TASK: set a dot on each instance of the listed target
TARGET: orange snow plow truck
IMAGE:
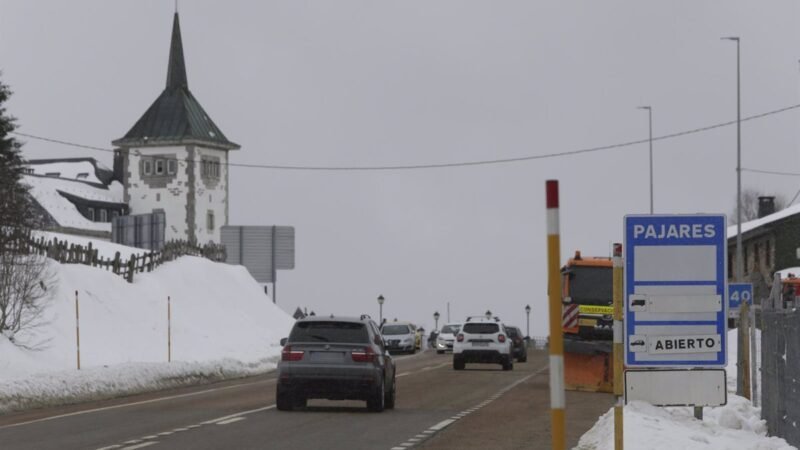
(587, 321)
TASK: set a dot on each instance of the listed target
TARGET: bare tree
(24, 277)
(26, 283)
(750, 205)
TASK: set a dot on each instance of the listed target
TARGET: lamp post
(742, 383)
(528, 318)
(488, 314)
(436, 318)
(650, 120)
(380, 309)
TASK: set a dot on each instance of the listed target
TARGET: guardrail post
(557, 395)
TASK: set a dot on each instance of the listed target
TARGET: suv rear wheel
(376, 402)
(508, 364)
(388, 401)
(458, 363)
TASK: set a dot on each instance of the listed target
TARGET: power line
(463, 163)
(772, 172)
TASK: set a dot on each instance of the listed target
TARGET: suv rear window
(481, 328)
(395, 329)
(328, 331)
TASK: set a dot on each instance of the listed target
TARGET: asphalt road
(434, 408)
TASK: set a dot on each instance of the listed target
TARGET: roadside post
(557, 395)
(169, 329)
(618, 349)
(675, 310)
(740, 301)
(78, 330)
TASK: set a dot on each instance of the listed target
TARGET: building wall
(211, 193)
(187, 196)
(787, 235)
(145, 194)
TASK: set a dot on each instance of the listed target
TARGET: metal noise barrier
(780, 373)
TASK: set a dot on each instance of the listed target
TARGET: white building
(175, 160)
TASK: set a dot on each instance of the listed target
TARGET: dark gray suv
(335, 358)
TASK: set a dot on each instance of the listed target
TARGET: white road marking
(441, 425)
(235, 419)
(407, 444)
(398, 448)
(142, 445)
(166, 433)
(231, 416)
(143, 402)
(132, 441)
(413, 440)
(403, 374)
(150, 437)
(180, 429)
(110, 447)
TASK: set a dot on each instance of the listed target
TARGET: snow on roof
(753, 224)
(45, 191)
(72, 170)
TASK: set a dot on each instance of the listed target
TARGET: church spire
(176, 71)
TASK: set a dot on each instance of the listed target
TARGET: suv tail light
(460, 337)
(287, 354)
(363, 356)
(501, 338)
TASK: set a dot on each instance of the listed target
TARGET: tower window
(90, 213)
(172, 166)
(159, 167)
(147, 167)
(210, 221)
(103, 215)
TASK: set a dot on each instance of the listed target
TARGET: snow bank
(737, 425)
(222, 326)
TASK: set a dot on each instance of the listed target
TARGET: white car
(482, 340)
(400, 337)
(446, 337)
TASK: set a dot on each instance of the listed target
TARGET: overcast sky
(366, 83)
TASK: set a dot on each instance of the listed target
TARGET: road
(481, 407)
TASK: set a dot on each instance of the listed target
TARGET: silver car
(335, 358)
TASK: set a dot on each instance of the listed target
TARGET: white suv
(482, 340)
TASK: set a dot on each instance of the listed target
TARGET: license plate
(480, 344)
(327, 356)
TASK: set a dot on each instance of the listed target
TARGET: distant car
(335, 358)
(482, 340)
(400, 337)
(446, 337)
(519, 348)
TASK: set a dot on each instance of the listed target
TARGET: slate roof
(176, 117)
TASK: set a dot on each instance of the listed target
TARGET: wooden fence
(67, 253)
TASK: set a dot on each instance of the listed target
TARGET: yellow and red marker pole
(618, 276)
(557, 396)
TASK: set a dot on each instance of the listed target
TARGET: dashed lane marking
(142, 445)
(143, 402)
(445, 423)
(235, 419)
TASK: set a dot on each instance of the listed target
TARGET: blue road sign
(675, 289)
(738, 293)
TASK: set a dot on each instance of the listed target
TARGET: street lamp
(739, 263)
(650, 116)
(488, 314)
(380, 308)
(436, 318)
(528, 314)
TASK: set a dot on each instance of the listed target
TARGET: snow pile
(737, 425)
(222, 325)
(73, 170)
(46, 192)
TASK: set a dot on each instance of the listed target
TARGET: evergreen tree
(16, 215)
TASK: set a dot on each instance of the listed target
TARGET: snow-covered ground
(737, 425)
(222, 326)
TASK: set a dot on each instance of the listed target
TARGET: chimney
(766, 206)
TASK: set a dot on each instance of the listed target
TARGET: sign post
(675, 309)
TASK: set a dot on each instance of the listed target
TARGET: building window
(114, 213)
(172, 166)
(158, 196)
(730, 265)
(103, 215)
(768, 254)
(160, 167)
(90, 213)
(210, 221)
(147, 167)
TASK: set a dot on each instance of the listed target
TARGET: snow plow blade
(588, 365)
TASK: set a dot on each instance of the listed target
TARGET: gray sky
(377, 83)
